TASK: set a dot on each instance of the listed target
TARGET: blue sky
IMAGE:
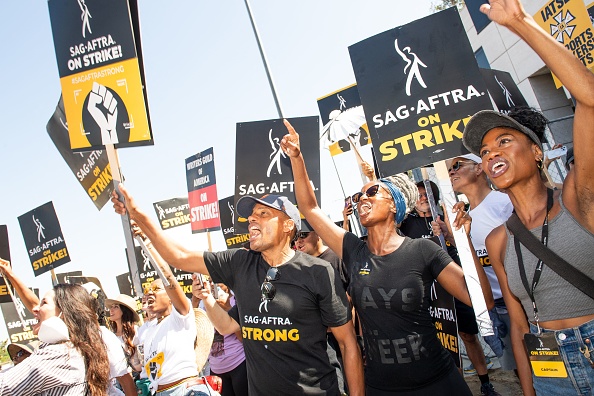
(204, 74)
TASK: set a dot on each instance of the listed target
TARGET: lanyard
(539, 264)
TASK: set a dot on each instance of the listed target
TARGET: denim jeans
(580, 375)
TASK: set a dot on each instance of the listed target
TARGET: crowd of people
(286, 314)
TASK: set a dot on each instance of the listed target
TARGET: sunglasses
(371, 192)
(267, 289)
(456, 167)
(152, 289)
(303, 234)
(19, 354)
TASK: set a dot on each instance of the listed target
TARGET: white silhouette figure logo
(20, 307)
(86, 25)
(264, 304)
(40, 228)
(342, 102)
(232, 212)
(100, 101)
(412, 66)
(562, 26)
(161, 211)
(276, 155)
(506, 93)
(146, 262)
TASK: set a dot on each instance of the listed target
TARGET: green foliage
(4, 358)
(441, 5)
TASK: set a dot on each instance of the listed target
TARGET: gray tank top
(555, 298)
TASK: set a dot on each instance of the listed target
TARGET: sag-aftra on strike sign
(419, 85)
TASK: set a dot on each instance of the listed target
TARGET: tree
(441, 5)
(4, 358)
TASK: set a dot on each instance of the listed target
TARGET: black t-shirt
(337, 264)
(392, 296)
(415, 226)
(285, 338)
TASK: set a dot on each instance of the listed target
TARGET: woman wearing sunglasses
(390, 282)
(543, 306)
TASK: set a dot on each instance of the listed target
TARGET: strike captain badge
(544, 355)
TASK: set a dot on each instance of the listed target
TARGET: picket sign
(12, 296)
(114, 163)
(479, 305)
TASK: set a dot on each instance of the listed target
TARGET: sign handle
(114, 164)
(432, 204)
(209, 241)
(54, 277)
(470, 274)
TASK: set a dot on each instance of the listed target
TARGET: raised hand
(100, 101)
(504, 12)
(290, 143)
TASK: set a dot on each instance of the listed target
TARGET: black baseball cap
(246, 204)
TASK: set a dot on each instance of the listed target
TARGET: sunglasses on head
(152, 289)
(267, 289)
(455, 167)
(370, 192)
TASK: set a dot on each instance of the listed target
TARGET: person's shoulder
(329, 255)
(307, 260)
(496, 239)
(108, 335)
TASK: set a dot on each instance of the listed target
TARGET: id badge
(545, 358)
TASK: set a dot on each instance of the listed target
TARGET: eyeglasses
(152, 289)
(370, 192)
(19, 354)
(303, 234)
(456, 167)
(267, 289)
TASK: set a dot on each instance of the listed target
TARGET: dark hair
(434, 189)
(78, 309)
(531, 119)
(128, 329)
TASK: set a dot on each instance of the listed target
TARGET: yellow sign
(569, 23)
(106, 105)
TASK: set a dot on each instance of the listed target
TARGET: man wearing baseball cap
(286, 299)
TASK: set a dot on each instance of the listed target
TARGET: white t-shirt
(493, 211)
(169, 349)
(118, 365)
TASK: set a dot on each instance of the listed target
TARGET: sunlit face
(19, 356)
(46, 309)
(508, 156)
(158, 302)
(462, 172)
(422, 204)
(377, 208)
(267, 227)
(115, 312)
(307, 242)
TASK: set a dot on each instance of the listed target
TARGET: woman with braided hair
(390, 281)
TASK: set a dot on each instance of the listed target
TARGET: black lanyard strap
(539, 264)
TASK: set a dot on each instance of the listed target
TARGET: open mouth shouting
(254, 231)
(497, 166)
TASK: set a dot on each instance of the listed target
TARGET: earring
(539, 163)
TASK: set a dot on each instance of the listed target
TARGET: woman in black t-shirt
(391, 276)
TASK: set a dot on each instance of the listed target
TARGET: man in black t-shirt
(285, 299)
